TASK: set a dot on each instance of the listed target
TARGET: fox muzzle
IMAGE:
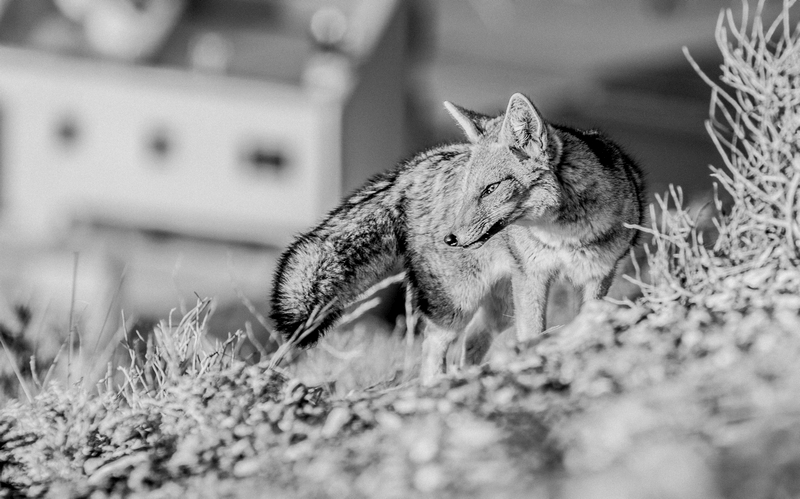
(452, 240)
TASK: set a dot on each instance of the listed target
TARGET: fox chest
(552, 255)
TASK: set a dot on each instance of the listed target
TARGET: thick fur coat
(481, 228)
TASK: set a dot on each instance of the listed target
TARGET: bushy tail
(324, 269)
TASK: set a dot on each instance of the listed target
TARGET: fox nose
(451, 240)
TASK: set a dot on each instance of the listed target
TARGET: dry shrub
(754, 121)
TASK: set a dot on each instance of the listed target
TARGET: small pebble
(246, 467)
(337, 418)
(429, 478)
(423, 450)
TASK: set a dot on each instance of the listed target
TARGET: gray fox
(481, 228)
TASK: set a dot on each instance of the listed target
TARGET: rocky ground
(623, 402)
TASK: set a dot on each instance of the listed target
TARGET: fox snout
(471, 240)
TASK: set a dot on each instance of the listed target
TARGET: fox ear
(467, 120)
(523, 127)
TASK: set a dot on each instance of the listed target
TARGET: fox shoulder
(607, 162)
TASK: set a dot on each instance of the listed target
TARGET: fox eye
(489, 189)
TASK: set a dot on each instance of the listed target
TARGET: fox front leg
(434, 348)
(596, 289)
(530, 303)
(494, 316)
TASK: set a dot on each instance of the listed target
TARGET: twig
(13, 361)
(110, 307)
(71, 312)
(249, 304)
(248, 329)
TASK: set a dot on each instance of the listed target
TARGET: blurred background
(152, 151)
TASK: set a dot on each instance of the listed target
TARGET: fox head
(509, 175)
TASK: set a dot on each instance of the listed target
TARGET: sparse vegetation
(689, 392)
(754, 112)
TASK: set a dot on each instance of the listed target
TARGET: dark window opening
(262, 158)
(67, 131)
(160, 144)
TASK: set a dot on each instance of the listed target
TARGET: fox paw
(503, 351)
(475, 348)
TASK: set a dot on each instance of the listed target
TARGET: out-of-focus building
(239, 120)
(184, 141)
